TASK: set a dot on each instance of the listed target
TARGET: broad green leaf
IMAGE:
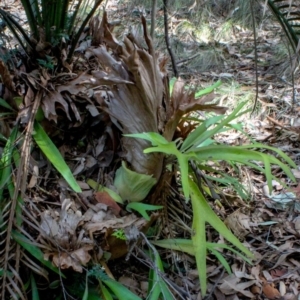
(142, 208)
(54, 156)
(131, 185)
(34, 251)
(121, 292)
(93, 184)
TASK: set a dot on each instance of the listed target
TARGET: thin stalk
(73, 18)
(28, 7)
(12, 24)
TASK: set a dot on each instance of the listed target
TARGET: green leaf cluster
(200, 147)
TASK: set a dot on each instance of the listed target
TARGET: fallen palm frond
(287, 14)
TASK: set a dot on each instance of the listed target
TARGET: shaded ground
(269, 222)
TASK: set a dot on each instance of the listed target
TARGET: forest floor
(269, 223)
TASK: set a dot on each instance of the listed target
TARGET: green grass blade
(121, 292)
(208, 90)
(34, 290)
(86, 290)
(107, 295)
(142, 208)
(221, 259)
(34, 250)
(6, 160)
(54, 156)
(3, 103)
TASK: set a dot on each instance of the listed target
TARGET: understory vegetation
(108, 161)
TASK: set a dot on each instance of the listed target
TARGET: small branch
(174, 66)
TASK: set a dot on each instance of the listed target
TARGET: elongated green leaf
(142, 208)
(202, 213)
(184, 245)
(196, 135)
(54, 156)
(86, 290)
(6, 160)
(34, 251)
(35, 292)
(157, 286)
(222, 260)
(210, 133)
(209, 216)
(153, 137)
(199, 241)
(3, 103)
(107, 295)
(208, 90)
(121, 292)
(242, 155)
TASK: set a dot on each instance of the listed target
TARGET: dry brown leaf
(239, 223)
(269, 290)
(74, 260)
(105, 198)
(230, 285)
